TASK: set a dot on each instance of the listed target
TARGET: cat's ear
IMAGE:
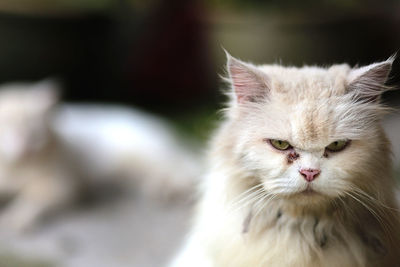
(249, 83)
(46, 93)
(368, 82)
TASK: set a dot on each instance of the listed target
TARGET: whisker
(385, 226)
(265, 201)
(376, 201)
(243, 197)
(247, 191)
(247, 200)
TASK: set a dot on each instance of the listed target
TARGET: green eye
(279, 144)
(337, 145)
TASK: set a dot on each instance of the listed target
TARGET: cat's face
(307, 133)
(24, 110)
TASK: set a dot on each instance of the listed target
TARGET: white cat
(51, 153)
(35, 176)
(300, 172)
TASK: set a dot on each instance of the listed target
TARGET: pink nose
(309, 174)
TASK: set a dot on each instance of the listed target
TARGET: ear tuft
(249, 83)
(368, 82)
(46, 93)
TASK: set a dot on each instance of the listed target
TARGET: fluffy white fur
(256, 208)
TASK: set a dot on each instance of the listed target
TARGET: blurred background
(164, 57)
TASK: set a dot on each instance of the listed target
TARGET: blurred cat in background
(35, 177)
(50, 154)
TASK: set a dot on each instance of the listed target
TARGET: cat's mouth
(309, 191)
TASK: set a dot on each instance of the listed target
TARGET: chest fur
(287, 241)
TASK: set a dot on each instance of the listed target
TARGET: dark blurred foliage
(165, 55)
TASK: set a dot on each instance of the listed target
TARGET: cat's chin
(308, 198)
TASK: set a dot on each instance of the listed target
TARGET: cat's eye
(337, 145)
(279, 144)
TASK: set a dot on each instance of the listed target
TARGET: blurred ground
(149, 232)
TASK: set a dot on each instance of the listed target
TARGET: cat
(53, 154)
(300, 172)
(34, 177)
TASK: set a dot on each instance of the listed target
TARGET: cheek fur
(266, 161)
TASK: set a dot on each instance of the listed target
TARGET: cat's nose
(309, 174)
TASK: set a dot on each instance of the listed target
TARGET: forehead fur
(307, 82)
